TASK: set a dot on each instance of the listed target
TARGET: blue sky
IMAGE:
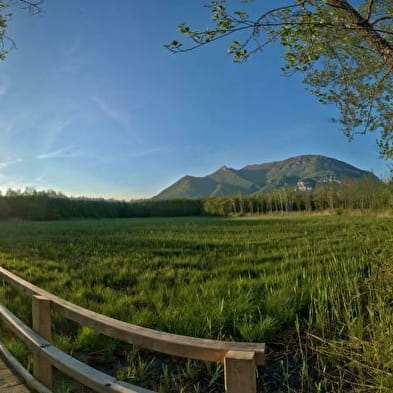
(92, 104)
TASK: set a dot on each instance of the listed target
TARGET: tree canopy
(345, 52)
(6, 42)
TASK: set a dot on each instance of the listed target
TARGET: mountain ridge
(311, 169)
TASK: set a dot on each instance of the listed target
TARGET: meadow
(317, 290)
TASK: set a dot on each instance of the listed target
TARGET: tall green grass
(316, 289)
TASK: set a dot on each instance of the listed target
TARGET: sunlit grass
(232, 279)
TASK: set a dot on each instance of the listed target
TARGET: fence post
(42, 368)
(239, 371)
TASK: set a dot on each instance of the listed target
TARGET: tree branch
(32, 5)
(381, 19)
(255, 26)
(275, 10)
(377, 42)
(372, 100)
(370, 9)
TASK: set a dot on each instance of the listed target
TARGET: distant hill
(258, 178)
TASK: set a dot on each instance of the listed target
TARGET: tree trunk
(376, 42)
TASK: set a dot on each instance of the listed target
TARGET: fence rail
(240, 359)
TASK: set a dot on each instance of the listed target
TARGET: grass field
(316, 289)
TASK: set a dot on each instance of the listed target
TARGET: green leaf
(241, 14)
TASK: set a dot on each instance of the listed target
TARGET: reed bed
(317, 290)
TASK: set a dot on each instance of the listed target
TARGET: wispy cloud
(40, 179)
(6, 164)
(146, 152)
(64, 152)
(115, 114)
(74, 57)
(52, 128)
(4, 87)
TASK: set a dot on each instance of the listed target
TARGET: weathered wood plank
(8, 379)
(239, 371)
(42, 325)
(4, 372)
(81, 372)
(21, 372)
(16, 389)
(172, 344)
(2, 365)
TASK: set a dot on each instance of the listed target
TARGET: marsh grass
(318, 290)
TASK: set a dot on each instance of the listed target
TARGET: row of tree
(365, 194)
(53, 206)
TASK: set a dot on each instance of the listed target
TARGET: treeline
(49, 205)
(365, 194)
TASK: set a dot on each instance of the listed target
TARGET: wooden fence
(240, 359)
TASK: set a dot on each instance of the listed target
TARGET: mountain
(258, 178)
